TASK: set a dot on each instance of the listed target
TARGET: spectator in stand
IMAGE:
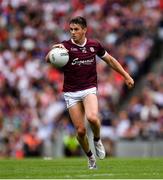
(32, 144)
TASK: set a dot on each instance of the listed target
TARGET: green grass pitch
(76, 168)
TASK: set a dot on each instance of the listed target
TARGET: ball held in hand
(58, 57)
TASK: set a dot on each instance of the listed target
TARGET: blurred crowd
(32, 109)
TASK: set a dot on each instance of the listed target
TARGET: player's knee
(92, 118)
(81, 132)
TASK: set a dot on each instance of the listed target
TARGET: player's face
(77, 33)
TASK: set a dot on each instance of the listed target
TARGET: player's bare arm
(117, 67)
(47, 58)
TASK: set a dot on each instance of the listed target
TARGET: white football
(58, 57)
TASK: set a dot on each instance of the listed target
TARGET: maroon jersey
(80, 71)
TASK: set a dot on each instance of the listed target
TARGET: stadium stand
(31, 102)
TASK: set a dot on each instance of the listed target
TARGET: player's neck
(80, 43)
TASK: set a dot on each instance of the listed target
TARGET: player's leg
(77, 115)
(91, 110)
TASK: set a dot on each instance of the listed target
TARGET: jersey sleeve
(64, 43)
(100, 50)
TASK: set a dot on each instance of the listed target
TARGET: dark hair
(79, 20)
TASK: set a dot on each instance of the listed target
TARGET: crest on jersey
(92, 49)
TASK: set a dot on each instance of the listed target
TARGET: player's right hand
(59, 46)
(55, 46)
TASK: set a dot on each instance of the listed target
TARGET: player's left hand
(129, 82)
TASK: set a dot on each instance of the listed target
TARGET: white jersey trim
(104, 54)
(80, 45)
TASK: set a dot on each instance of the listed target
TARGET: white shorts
(72, 98)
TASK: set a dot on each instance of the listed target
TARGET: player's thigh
(77, 115)
(91, 105)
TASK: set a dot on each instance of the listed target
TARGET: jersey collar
(81, 45)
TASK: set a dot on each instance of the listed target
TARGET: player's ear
(85, 29)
